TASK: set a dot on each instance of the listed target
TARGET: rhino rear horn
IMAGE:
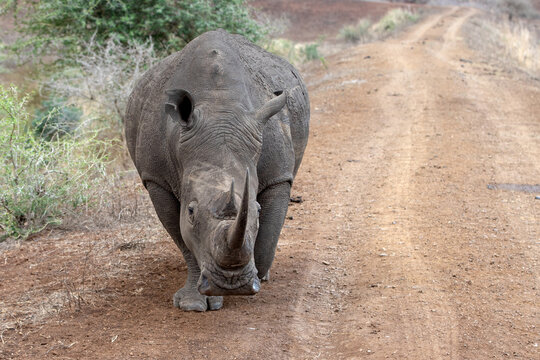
(230, 208)
(237, 233)
(271, 108)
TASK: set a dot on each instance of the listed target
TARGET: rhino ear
(272, 107)
(179, 106)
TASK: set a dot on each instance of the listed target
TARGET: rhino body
(217, 132)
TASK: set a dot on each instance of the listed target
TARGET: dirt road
(399, 249)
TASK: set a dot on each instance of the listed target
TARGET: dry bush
(102, 79)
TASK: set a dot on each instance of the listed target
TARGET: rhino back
(269, 74)
(257, 76)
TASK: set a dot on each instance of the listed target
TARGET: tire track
(381, 313)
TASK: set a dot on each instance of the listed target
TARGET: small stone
(326, 262)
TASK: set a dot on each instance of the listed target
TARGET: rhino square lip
(218, 281)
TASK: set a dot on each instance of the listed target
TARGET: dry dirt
(399, 249)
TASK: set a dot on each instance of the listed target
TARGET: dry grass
(513, 44)
(392, 22)
(522, 45)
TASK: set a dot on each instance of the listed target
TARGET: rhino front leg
(274, 202)
(188, 297)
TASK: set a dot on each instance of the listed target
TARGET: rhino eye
(191, 211)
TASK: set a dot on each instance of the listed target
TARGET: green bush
(55, 119)
(62, 26)
(41, 181)
(311, 52)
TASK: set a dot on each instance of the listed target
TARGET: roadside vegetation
(357, 33)
(508, 36)
(295, 53)
(47, 170)
(61, 27)
(392, 22)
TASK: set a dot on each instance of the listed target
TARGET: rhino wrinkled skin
(217, 132)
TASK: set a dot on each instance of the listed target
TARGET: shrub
(311, 52)
(41, 181)
(55, 119)
(63, 26)
(356, 33)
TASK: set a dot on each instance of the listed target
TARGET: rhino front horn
(237, 232)
(271, 108)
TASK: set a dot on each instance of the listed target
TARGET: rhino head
(216, 143)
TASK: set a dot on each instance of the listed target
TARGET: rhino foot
(266, 277)
(189, 299)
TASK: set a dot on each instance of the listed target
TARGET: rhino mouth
(215, 281)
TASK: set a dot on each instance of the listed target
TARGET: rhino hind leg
(188, 297)
(274, 202)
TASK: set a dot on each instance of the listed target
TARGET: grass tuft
(364, 31)
(356, 33)
(295, 53)
(393, 21)
(521, 45)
